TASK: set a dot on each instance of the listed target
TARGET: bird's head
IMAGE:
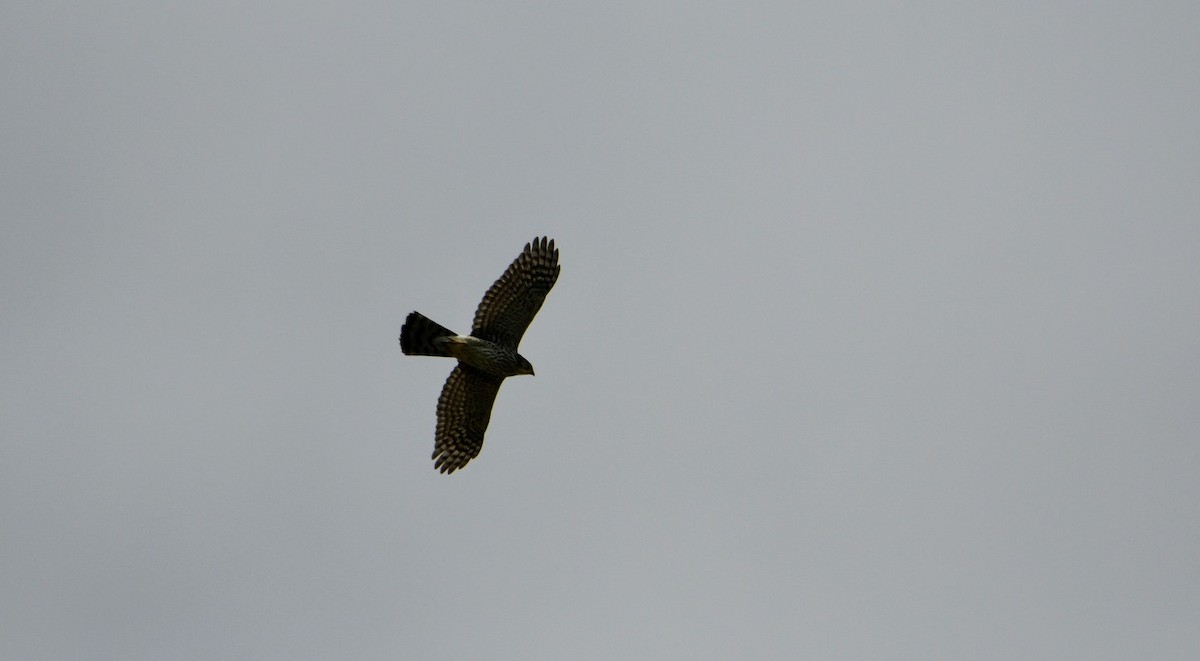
(523, 366)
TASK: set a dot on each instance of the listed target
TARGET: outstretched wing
(511, 303)
(463, 412)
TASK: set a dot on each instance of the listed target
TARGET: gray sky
(876, 335)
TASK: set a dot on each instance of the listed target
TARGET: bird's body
(422, 336)
(485, 357)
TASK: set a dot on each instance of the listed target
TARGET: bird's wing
(511, 303)
(463, 412)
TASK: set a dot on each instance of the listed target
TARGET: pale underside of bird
(485, 357)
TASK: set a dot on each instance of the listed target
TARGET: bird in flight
(485, 357)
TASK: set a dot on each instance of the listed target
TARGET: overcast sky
(877, 334)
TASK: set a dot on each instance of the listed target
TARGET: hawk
(486, 356)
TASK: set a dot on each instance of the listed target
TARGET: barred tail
(418, 334)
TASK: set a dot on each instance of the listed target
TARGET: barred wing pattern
(463, 412)
(510, 304)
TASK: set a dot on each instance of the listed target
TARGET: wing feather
(510, 304)
(463, 412)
